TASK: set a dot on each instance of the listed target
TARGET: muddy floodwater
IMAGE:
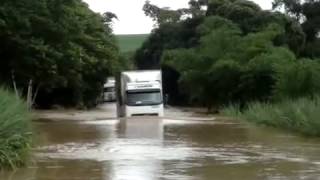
(173, 148)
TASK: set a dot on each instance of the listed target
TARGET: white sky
(131, 17)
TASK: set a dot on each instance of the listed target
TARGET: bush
(300, 115)
(298, 79)
(15, 136)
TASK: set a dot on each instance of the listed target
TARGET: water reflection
(140, 139)
(58, 170)
(141, 128)
(152, 149)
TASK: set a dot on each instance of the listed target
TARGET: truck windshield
(109, 89)
(144, 98)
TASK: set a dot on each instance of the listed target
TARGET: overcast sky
(131, 17)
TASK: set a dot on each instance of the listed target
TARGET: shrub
(15, 128)
(299, 79)
(300, 115)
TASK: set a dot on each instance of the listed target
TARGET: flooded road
(183, 146)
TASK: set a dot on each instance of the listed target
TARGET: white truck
(139, 93)
(109, 93)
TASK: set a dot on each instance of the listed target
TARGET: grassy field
(15, 130)
(301, 115)
(132, 42)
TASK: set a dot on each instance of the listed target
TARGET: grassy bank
(15, 128)
(130, 43)
(302, 115)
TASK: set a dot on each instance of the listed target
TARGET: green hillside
(131, 42)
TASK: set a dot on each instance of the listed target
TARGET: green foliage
(232, 111)
(61, 45)
(228, 66)
(301, 115)
(239, 53)
(258, 81)
(161, 15)
(298, 79)
(125, 62)
(130, 43)
(184, 61)
(250, 18)
(224, 77)
(166, 15)
(167, 36)
(236, 53)
(236, 31)
(307, 12)
(221, 39)
(15, 130)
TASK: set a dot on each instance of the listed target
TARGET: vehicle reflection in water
(141, 128)
(136, 155)
(147, 148)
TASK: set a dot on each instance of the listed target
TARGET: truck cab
(140, 93)
(109, 93)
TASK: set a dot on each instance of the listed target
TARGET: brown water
(159, 149)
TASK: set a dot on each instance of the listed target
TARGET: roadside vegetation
(15, 130)
(300, 115)
(53, 54)
(233, 52)
(56, 52)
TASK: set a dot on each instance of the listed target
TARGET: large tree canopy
(246, 14)
(308, 13)
(61, 45)
(233, 51)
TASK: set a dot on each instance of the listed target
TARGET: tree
(230, 54)
(308, 14)
(227, 67)
(168, 36)
(298, 79)
(58, 48)
(197, 7)
(162, 15)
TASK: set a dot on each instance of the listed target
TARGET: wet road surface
(148, 148)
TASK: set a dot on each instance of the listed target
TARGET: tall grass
(15, 130)
(301, 115)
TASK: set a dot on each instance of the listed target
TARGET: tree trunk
(35, 95)
(14, 84)
(209, 108)
(29, 94)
